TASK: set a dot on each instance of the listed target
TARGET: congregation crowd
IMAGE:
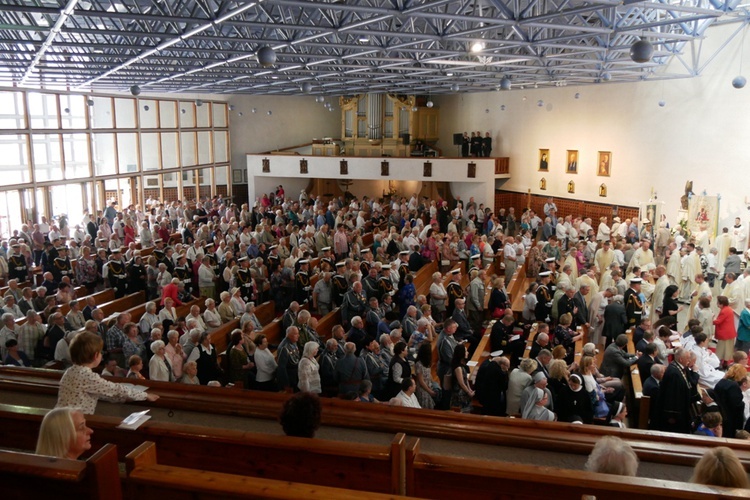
(603, 280)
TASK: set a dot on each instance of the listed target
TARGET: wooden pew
(123, 303)
(435, 476)
(663, 447)
(220, 336)
(327, 322)
(639, 405)
(102, 297)
(148, 479)
(367, 467)
(266, 312)
(25, 475)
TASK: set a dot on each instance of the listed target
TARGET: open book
(134, 420)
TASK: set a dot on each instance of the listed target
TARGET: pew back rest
(143, 470)
(25, 475)
(434, 476)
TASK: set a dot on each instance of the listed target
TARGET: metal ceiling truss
(348, 46)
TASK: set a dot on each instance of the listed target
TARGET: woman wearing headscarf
(574, 402)
(534, 408)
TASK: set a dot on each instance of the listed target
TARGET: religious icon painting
(266, 165)
(604, 163)
(543, 184)
(472, 171)
(544, 160)
(303, 166)
(571, 187)
(385, 168)
(572, 161)
(603, 190)
(344, 167)
(427, 169)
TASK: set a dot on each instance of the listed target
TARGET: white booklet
(134, 420)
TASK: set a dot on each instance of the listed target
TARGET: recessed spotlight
(450, 73)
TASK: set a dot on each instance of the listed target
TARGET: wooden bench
(639, 406)
(563, 437)
(367, 467)
(435, 476)
(123, 303)
(148, 479)
(102, 297)
(25, 475)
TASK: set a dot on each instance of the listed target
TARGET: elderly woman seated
(211, 315)
(64, 434)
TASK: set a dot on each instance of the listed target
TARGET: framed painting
(571, 161)
(544, 160)
(604, 162)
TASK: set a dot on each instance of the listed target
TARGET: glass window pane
(204, 148)
(47, 161)
(73, 111)
(169, 156)
(219, 113)
(187, 148)
(76, 151)
(220, 174)
(220, 147)
(168, 114)
(203, 114)
(14, 160)
(150, 151)
(101, 112)
(10, 203)
(67, 199)
(148, 113)
(104, 154)
(43, 110)
(125, 113)
(11, 110)
(220, 178)
(187, 114)
(127, 153)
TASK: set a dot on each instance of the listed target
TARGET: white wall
(294, 120)
(407, 171)
(700, 135)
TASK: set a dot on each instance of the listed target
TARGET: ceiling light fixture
(477, 47)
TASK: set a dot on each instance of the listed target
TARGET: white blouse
(212, 318)
(266, 365)
(82, 388)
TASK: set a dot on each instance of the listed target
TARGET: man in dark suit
(647, 359)
(501, 337)
(617, 360)
(615, 320)
(491, 384)
(541, 341)
(651, 389)
(581, 316)
(678, 392)
(464, 331)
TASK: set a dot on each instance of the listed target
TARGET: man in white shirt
(510, 258)
(406, 397)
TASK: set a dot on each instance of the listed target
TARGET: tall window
(62, 153)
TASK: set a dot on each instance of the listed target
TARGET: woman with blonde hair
(64, 434)
(720, 467)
